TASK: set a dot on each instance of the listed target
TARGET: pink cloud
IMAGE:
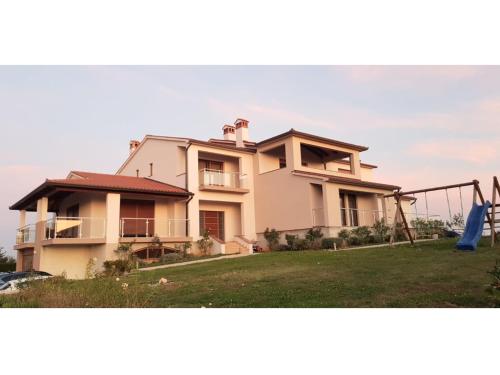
(476, 152)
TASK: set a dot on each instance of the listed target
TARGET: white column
(112, 218)
(22, 218)
(42, 209)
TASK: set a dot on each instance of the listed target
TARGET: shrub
(313, 236)
(291, 240)
(302, 244)
(361, 235)
(273, 238)
(171, 258)
(205, 243)
(400, 233)
(117, 267)
(329, 243)
(7, 267)
(344, 235)
(380, 231)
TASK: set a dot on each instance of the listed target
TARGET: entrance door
(137, 218)
(213, 223)
(27, 264)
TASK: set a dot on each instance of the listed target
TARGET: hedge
(7, 267)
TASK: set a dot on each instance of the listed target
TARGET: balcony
(353, 217)
(70, 230)
(216, 180)
(26, 235)
(146, 228)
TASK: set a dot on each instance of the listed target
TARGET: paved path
(385, 245)
(193, 262)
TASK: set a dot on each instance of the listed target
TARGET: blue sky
(424, 125)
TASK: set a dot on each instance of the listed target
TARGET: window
(343, 216)
(282, 163)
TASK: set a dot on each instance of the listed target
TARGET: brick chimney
(133, 146)
(241, 132)
(229, 132)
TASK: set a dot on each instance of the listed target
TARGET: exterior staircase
(234, 247)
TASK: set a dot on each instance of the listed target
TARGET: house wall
(167, 156)
(246, 201)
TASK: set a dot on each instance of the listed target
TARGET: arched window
(152, 253)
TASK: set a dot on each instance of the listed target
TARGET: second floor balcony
(218, 180)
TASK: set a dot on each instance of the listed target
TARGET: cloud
(407, 76)
(470, 151)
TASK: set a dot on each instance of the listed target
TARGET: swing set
(400, 216)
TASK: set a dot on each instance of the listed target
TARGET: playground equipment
(475, 223)
(494, 221)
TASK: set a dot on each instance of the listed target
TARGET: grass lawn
(429, 274)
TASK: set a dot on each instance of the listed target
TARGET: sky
(424, 125)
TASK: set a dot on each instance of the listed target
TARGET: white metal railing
(318, 215)
(26, 234)
(212, 177)
(75, 227)
(355, 217)
(149, 227)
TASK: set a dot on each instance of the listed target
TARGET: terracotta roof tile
(109, 181)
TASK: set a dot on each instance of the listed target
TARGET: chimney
(229, 132)
(133, 146)
(241, 132)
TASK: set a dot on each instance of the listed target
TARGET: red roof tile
(110, 181)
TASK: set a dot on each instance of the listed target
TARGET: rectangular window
(282, 163)
(353, 208)
(343, 216)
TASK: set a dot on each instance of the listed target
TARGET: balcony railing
(75, 227)
(355, 217)
(26, 234)
(212, 177)
(146, 227)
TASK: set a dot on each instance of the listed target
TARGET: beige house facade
(173, 190)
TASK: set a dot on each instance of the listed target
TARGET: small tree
(205, 243)
(186, 246)
(313, 236)
(344, 235)
(380, 230)
(273, 238)
(4, 258)
(361, 235)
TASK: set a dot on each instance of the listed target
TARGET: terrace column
(42, 213)
(112, 218)
(22, 218)
(331, 204)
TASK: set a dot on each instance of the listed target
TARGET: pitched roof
(111, 181)
(101, 182)
(313, 137)
(350, 181)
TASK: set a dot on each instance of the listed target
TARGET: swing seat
(474, 227)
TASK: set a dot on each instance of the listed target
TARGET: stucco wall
(167, 156)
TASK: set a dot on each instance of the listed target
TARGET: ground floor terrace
(85, 218)
(332, 205)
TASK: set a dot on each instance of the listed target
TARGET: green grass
(430, 274)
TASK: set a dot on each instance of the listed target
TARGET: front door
(213, 223)
(27, 264)
(137, 218)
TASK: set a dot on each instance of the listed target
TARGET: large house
(175, 189)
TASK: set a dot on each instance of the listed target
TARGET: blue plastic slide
(474, 227)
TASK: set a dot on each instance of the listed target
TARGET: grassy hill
(430, 274)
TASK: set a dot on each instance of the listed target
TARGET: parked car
(11, 281)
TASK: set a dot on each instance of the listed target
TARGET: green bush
(7, 267)
(117, 267)
(291, 241)
(313, 236)
(171, 257)
(302, 244)
(273, 239)
(380, 231)
(329, 243)
(360, 235)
